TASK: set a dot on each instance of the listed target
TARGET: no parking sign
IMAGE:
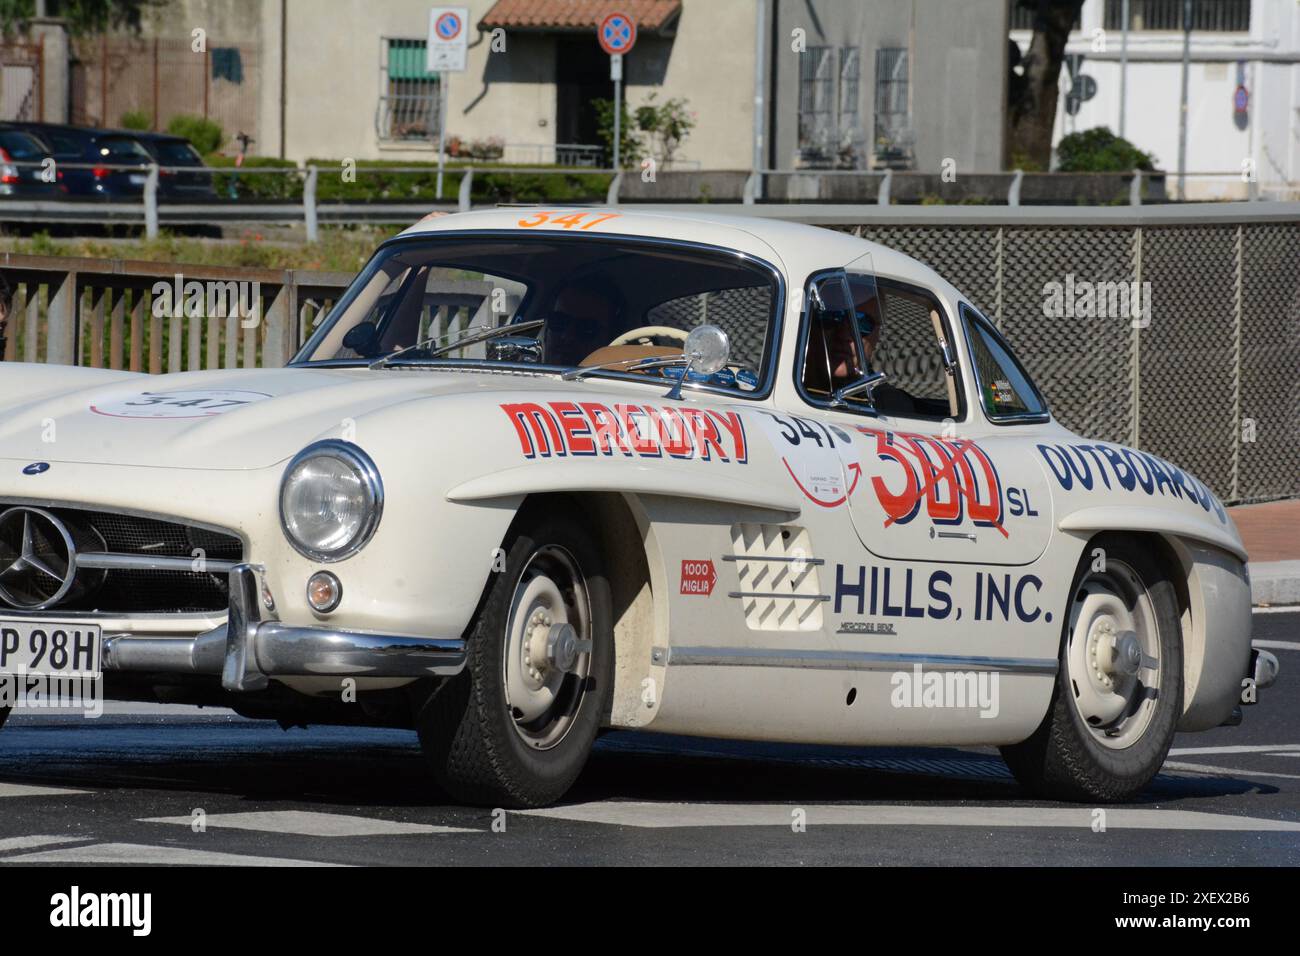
(617, 34)
(448, 40)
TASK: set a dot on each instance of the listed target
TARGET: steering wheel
(651, 332)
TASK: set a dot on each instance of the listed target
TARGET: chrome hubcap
(548, 647)
(1113, 656)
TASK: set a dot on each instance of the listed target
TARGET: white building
(1253, 45)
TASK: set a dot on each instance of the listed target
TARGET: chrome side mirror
(515, 348)
(867, 384)
(706, 351)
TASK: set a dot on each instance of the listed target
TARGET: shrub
(206, 135)
(1101, 151)
(137, 120)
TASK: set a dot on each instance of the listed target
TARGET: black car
(99, 149)
(95, 150)
(21, 173)
(176, 151)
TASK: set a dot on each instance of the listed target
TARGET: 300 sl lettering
(943, 473)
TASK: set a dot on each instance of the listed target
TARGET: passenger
(582, 320)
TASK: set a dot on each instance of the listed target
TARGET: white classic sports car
(541, 473)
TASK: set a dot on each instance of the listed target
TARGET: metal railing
(145, 317)
(299, 198)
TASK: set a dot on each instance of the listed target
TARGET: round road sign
(616, 33)
(447, 26)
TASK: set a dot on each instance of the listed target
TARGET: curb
(1275, 582)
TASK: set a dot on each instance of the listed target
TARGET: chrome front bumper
(250, 649)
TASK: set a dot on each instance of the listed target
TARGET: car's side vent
(780, 588)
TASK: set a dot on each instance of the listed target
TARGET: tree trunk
(1033, 95)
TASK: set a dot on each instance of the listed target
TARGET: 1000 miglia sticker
(590, 429)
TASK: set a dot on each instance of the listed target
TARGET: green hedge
(375, 183)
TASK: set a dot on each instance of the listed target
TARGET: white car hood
(230, 420)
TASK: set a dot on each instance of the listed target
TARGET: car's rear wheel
(1119, 688)
(514, 729)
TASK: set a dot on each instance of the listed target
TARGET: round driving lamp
(331, 500)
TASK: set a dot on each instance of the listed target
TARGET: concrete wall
(957, 54)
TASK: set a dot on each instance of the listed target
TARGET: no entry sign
(616, 33)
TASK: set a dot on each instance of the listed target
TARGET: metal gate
(21, 89)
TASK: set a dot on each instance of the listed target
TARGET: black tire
(470, 736)
(1064, 759)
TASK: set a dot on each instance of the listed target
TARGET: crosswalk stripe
(26, 790)
(31, 842)
(133, 853)
(1233, 749)
(308, 823)
(655, 815)
(1229, 771)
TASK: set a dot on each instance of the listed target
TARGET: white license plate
(137, 179)
(50, 648)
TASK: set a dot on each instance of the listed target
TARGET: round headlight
(331, 499)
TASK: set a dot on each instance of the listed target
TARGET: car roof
(800, 248)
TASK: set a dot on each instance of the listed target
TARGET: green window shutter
(406, 59)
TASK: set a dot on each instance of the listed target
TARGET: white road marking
(31, 842)
(1277, 645)
(132, 853)
(1228, 771)
(308, 823)
(1234, 749)
(24, 790)
(1277, 609)
(655, 815)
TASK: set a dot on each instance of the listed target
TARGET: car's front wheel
(1119, 687)
(514, 729)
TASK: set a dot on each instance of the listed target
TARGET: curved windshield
(614, 307)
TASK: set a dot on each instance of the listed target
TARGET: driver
(841, 364)
(582, 320)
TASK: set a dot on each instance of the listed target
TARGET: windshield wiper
(465, 339)
(636, 365)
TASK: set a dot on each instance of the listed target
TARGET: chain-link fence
(1208, 378)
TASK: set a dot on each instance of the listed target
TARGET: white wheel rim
(543, 699)
(1113, 656)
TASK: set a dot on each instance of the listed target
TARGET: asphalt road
(128, 787)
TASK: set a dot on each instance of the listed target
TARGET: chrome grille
(137, 564)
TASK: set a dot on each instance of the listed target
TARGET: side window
(1006, 390)
(870, 330)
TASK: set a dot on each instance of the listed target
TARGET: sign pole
(442, 126)
(616, 71)
(446, 51)
(617, 35)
